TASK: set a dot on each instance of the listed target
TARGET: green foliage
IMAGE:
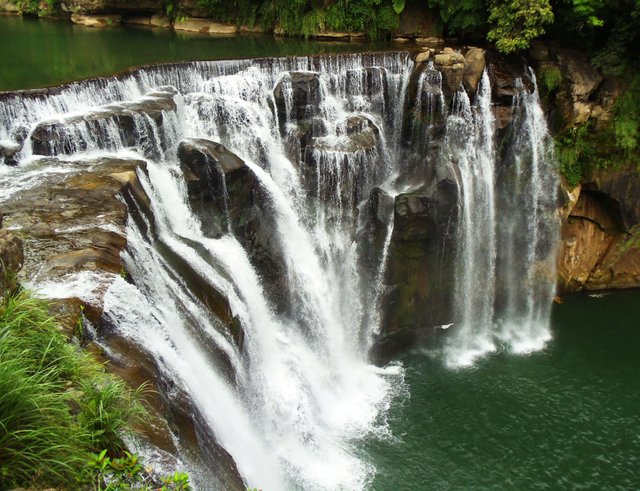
(56, 403)
(627, 118)
(550, 77)
(178, 481)
(39, 441)
(41, 8)
(117, 474)
(107, 408)
(462, 16)
(398, 6)
(127, 473)
(310, 17)
(587, 12)
(516, 22)
(574, 151)
(607, 30)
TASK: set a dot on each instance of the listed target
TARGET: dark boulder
(227, 197)
(419, 277)
(297, 97)
(9, 151)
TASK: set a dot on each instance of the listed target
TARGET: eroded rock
(204, 26)
(473, 69)
(600, 245)
(419, 270)
(100, 20)
(131, 120)
(228, 197)
(73, 225)
(297, 96)
(452, 65)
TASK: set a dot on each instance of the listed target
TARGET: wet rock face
(336, 159)
(452, 65)
(132, 122)
(74, 223)
(475, 63)
(227, 196)
(220, 181)
(419, 270)
(297, 96)
(9, 151)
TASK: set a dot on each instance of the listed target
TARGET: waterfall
(505, 277)
(285, 385)
(469, 145)
(530, 235)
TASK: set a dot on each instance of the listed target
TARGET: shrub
(57, 405)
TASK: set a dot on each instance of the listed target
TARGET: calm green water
(565, 418)
(39, 53)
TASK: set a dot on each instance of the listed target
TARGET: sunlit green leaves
(516, 22)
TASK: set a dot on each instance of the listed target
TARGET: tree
(516, 22)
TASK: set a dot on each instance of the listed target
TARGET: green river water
(567, 417)
(39, 53)
(564, 418)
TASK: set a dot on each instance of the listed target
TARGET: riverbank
(415, 25)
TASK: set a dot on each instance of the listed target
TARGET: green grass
(57, 405)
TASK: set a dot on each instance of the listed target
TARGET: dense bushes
(305, 18)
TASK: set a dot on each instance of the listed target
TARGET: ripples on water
(564, 418)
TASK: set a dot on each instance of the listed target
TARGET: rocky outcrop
(110, 6)
(132, 121)
(419, 270)
(204, 26)
(452, 65)
(297, 96)
(227, 196)
(11, 260)
(73, 225)
(9, 151)
(8, 7)
(475, 63)
(600, 243)
(340, 36)
(576, 92)
(104, 20)
(330, 151)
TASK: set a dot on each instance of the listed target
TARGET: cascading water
(291, 400)
(505, 276)
(469, 145)
(530, 235)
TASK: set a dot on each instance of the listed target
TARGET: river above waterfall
(38, 53)
(566, 417)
